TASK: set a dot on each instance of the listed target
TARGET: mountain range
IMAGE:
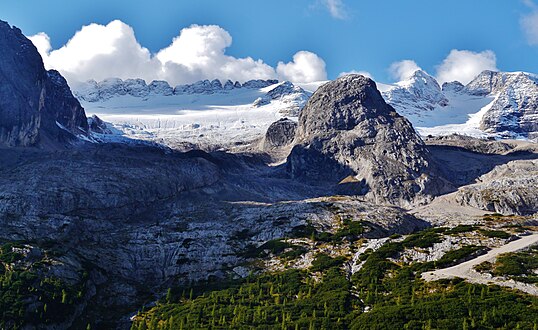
(494, 104)
(161, 188)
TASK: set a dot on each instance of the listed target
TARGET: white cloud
(99, 52)
(403, 70)
(465, 65)
(305, 67)
(336, 8)
(529, 23)
(364, 73)
(42, 42)
(199, 52)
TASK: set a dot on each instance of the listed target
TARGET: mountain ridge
(37, 107)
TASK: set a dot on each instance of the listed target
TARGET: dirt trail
(465, 270)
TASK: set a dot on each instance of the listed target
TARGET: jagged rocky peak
(37, 107)
(491, 82)
(420, 91)
(259, 83)
(92, 91)
(347, 134)
(137, 87)
(199, 87)
(487, 82)
(160, 87)
(514, 108)
(452, 87)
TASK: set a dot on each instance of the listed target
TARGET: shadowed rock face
(36, 106)
(281, 133)
(348, 134)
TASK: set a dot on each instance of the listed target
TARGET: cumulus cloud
(199, 52)
(99, 52)
(364, 73)
(465, 65)
(336, 8)
(42, 42)
(403, 70)
(529, 23)
(305, 67)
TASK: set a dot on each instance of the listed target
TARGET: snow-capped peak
(293, 98)
(419, 78)
(418, 93)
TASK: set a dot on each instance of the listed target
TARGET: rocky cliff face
(487, 82)
(509, 189)
(348, 134)
(143, 219)
(514, 112)
(36, 106)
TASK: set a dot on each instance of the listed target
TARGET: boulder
(280, 134)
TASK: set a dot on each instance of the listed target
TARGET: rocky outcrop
(348, 134)
(97, 125)
(160, 87)
(452, 87)
(36, 106)
(203, 87)
(280, 134)
(508, 189)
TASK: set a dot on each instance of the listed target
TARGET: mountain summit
(37, 107)
(348, 133)
(421, 91)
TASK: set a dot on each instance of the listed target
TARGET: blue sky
(359, 35)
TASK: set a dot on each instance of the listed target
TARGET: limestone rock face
(37, 107)
(348, 134)
(514, 111)
(509, 189)
(281, 133)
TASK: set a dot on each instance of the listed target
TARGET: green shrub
(495, 234)
(322, 262)
(460, 229)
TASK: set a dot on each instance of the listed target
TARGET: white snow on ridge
(207, 120)
(459, 117)
(210, 115)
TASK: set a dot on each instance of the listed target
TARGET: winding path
(465, 269)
